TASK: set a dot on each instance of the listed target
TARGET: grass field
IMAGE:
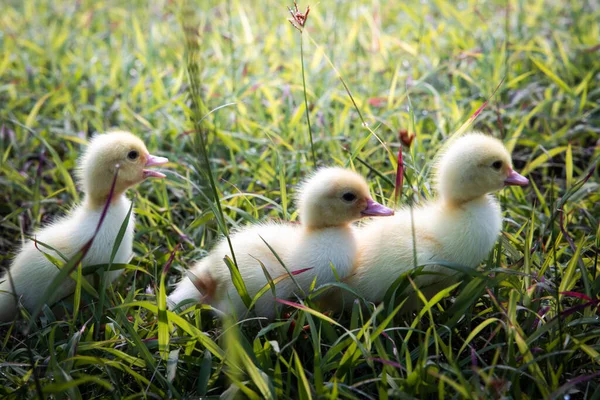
(524, 325)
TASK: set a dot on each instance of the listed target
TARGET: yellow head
(334, 197)
(474, 165)
(109, 152)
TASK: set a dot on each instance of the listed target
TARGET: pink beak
(515, 179)
(374, 209)
(151, 161)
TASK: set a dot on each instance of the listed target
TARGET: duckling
(461, 226)
(328, 203)
(31, 272)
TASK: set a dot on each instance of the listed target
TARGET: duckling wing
(457, 235)
(388, 248)
(32, 272)
(250, 251)
(328, 255)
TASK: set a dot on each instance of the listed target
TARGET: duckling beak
(151, 161)
(515, 179)
(374, 209)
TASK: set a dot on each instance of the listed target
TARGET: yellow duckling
(32, 272)
(460, 227)
(329, 202)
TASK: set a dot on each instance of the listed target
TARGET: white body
(31, 271)
(297, 247)
(460, 234)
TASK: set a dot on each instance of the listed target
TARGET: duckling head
(336, 196)
(474, 165)
(111, 151)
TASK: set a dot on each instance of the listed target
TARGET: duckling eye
(497, 164)
(349, 196)
(133, 155)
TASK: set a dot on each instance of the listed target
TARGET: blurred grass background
(69, 70)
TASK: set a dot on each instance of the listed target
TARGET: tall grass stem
(312, 146)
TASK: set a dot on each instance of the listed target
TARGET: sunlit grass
(523, 325)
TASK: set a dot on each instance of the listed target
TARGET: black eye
(133, 155)
(497, 164)
(349, 196)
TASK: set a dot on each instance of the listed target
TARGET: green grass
(524, 326)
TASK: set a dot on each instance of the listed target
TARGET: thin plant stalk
(36, 378)
(312, 146)
(73, 263)
(231, 49)
(507, 40)
(341, 78)
(197, 107)
(298, 21)
(556, 270)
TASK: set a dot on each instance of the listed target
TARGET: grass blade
(238, 281)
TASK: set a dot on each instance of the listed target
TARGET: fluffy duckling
(461, 226)
(31, 272)
(329, 202)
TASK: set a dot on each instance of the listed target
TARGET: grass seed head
(298, 18)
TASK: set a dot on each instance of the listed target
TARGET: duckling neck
(468, 230)
(96, 201)
(308, 228)
(455, 202)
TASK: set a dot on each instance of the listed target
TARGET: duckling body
(31, 272)
(460, 227)
(324, 238)
(296, 247)
(461, 235)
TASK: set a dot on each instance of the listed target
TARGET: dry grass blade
(399, 176)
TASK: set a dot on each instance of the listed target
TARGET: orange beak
(151, 161)
(374, 209)
(515, 179)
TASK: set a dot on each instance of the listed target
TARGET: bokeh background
(71, 69)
